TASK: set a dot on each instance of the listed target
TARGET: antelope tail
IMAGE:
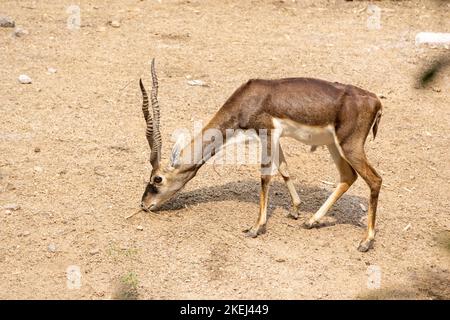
(376, 122)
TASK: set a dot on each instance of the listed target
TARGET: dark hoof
(308, 225)
(293, 215)
(365, 245)
(254, 232)
(251, 234)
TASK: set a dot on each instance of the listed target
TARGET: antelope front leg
(260, 226)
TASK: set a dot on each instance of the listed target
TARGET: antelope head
(164, 181)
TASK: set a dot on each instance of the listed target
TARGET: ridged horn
(147, 116)
(155, 155)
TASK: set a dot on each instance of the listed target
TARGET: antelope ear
(175, 156)
(181, 137)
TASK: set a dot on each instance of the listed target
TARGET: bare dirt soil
(73, 153)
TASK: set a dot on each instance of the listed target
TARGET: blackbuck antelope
(315, 112)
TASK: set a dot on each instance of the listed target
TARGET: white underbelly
(311, 135)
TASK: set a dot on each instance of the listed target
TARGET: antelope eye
(157, 179)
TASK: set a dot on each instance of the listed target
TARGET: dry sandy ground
(90, 171)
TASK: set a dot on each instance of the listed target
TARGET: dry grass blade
(133, 214)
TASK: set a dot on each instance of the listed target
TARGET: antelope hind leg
(354, 152)
(347, 177)
(283, 169)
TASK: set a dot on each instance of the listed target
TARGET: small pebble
(19, 32)
(140, 228)
(37, 149)
(12, 207)
(51, 247)
(51, 70)
(10, 187)
(280, 260)
(38, 169)
(24, 79)
(199, 83)
(114, 24)
(94, 252)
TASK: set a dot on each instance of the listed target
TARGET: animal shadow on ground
(346, 210)
(428, 283)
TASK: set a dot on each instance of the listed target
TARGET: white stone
(94, 252)
(51, 247)
(438, 39)
(19, 32)
(199, 83)
(6, 22)
(115, 24)
(11, 207)
(24, 79)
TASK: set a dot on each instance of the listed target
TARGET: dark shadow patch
(345, 211)
(429, 71)
(443, 240)
(430, 283)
